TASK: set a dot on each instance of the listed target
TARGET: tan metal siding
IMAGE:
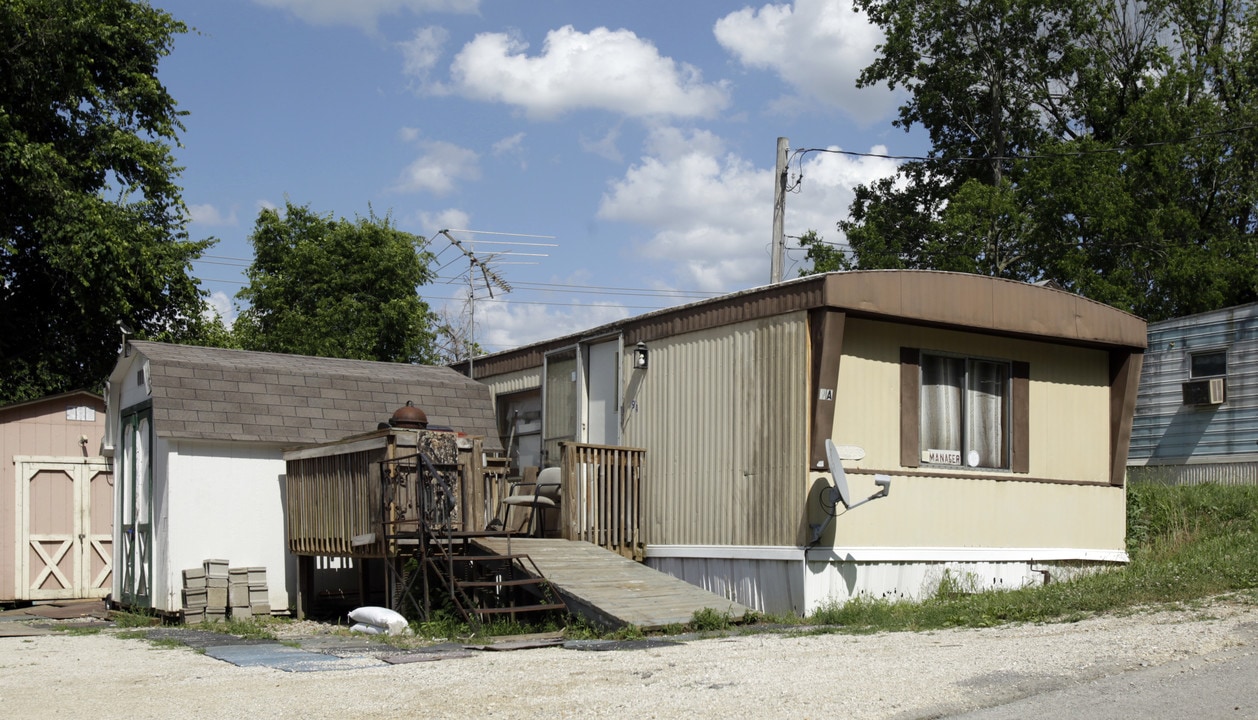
(947, 512)
(723, 415)
(1069, 443)
(1069, 397)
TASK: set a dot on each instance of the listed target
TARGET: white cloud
(207, 214)
(365, 14)
(421, 53)
(219, 303)
(603, 69)
(408, 134)
(710, 212)
(504, 323)
(265, 204)
(438, 168)
(442, 220)
(604, 147)
(509, 144)
(819, 47)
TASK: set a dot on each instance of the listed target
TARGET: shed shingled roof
(203, 393)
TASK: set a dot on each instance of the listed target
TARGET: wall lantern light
(639, 356)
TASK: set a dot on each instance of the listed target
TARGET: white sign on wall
(942, 457)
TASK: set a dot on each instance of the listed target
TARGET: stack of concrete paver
(248, 593)
(259, 593)
(238, 593)
(215, 590)
(194, 596)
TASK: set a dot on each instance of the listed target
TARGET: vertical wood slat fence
(335, 496)
(602, 496)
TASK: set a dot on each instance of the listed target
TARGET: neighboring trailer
(1197, 413)
(197, 438)
(56, 500)
(1000, 410)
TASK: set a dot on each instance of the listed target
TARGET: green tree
(336, 288)
(92, 227)
(1109, 147)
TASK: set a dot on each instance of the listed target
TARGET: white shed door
(65, 526)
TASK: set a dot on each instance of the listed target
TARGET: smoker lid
(409, 416)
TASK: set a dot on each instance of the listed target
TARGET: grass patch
(78, 631)
(1185, 544)
(710, 620)
(258, 628)
(125, 619)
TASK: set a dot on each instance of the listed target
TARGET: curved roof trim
(959, 301)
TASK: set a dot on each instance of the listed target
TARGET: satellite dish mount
(839, 493)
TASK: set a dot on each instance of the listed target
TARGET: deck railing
(602, 496)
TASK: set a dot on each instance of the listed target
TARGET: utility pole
(779, 212)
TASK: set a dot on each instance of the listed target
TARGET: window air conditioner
(1210, 391)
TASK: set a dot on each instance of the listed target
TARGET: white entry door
(602, 380)
(65, 528)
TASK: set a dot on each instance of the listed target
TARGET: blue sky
(639, 135)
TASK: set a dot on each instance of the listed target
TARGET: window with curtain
(964, 411)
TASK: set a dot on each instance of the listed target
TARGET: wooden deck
(610, 590)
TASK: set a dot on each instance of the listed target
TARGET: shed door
(135, 508)
(65, 508)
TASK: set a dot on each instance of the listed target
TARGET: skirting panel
(770, 581)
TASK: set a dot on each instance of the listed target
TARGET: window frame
(1017, 406)
(1192, 363)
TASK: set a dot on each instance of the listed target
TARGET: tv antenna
(479, 267)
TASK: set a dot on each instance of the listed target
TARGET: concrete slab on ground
(288, 659)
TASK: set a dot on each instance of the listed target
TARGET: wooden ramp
(611, 591)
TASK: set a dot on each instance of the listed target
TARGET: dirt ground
(68, 668)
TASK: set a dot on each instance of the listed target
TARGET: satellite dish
(840, 477)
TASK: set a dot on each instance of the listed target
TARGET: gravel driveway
(780, 674)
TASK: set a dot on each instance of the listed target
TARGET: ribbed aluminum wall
(515, 382)
(724, 413)
(1166, 431)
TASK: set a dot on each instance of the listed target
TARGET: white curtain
(984, 414)
(942, 380)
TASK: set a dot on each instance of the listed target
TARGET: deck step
(499, 583)
(519, 609)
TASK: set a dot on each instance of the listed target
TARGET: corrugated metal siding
(1166, 429)
(1237, 473)
(723, 413)
(768, 586)
(515, 382)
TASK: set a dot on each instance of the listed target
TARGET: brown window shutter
(910, 407)
(1020, 400)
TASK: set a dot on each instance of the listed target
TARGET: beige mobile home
(56, 502)
(1001, 412)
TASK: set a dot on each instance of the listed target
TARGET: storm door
(602, 393)
(560, 419)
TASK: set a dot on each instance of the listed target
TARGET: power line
(798, 155)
